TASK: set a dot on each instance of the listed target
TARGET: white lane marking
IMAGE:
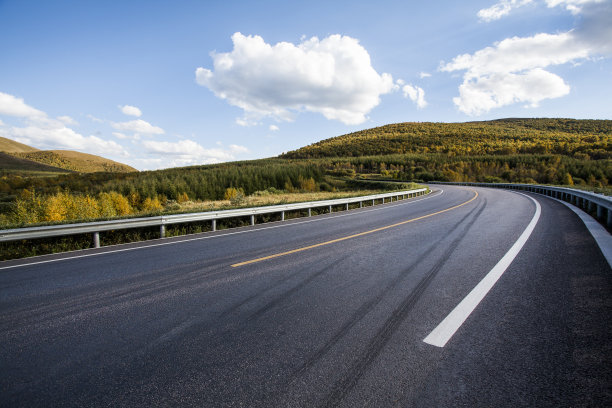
(600, 234)
(447, 328)
(179, 241)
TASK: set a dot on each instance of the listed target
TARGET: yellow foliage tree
(308, 184)
(150, 205)
(182, 198)
(230, 193)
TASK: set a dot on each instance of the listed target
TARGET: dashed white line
(449, 326)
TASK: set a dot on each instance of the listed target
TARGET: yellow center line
(333, 241)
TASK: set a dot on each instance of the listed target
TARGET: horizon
(156, 87)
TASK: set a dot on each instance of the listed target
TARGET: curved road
(326, 311)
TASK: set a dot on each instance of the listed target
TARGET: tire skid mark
(286, 295)
(367, 307)
(343, 386)
(183, 276)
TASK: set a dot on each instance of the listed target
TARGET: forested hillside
(549, 151)
(583, 139)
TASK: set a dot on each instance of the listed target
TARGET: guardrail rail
(162, 221)
(598, 204)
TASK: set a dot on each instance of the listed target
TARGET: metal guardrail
(162, 221)
(599, 204)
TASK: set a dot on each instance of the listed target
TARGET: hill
(590, 139)
(545, 151)
(11, 146)
(15, 165)
(55, 160)
(76, 161)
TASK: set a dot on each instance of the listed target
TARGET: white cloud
(246, 121)
(424, 75)
(504, 7)
(508, 72)
(120, 135)
(13, 106)
(94, 119)
(497, 11)
(480, 95)
(138, 126)
(47, 133)
(67, 120)
(130, 110)
(53, 137)
(273, 128)
(333, 76)
(574, 6)
(416, 94)
(238, 149)
(188, 152)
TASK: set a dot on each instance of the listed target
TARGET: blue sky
(161, 84)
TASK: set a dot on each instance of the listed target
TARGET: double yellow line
(333, 241)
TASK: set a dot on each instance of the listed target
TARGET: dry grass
(270, 199)
(75, 161)
(11, 146)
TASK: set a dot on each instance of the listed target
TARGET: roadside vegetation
(567, 152)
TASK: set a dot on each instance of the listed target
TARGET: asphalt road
(340, 323)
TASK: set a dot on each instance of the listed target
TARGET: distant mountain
(57, 160)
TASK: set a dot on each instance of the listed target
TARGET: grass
(21, 249)
(269, 199)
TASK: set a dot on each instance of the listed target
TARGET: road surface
(324, 311)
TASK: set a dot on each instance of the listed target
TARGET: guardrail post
(252, 220)
(96, 237)
(346, 206)
(599, 212)
(214, 225)
(310, 212)
(383, 200)
(282, 216)
(372, 202)
(361, 204)
(330, 209)
(590, 206)
(162, 231)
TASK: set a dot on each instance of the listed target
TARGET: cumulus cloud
(424, 75)
(138, 126)
(47, 133)
(416, 94)
(332, 76)
(497, 11)
(13, 106)
(61, 137)
(508, 72)
(188, 152)
(497, 90)
(130, 110)
(273, 128)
